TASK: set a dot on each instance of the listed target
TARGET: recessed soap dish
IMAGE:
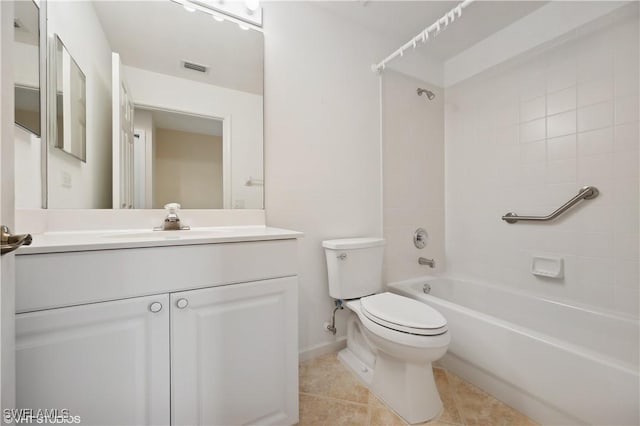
(546, 266)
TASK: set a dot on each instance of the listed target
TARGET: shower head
(429, 93)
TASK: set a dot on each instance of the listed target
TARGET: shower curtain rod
(437, 26)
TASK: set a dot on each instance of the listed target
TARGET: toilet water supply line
(332, 327)
(438, 26)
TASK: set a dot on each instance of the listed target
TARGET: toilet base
(409, 389)
(403, 381)
(358, 356)
(357, 367)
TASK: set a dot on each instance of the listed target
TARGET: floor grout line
(327, 369)
(454, 395)
(332, 398)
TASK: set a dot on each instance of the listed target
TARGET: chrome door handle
(182, 303)
(10, 242)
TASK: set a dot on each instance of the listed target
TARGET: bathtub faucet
(429, 262)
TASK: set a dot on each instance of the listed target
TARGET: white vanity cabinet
(230, 350)
(106, 362)
(218, 346)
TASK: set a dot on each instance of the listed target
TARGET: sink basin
(168, 235)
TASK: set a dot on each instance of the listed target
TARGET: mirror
(171, 115)
(70, 106)
(27, 66)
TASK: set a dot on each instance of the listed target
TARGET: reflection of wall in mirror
(77, 111)
(244, 110)
(27, 117)
(188, 169)
(72, 183)
(27, 147)
(25, 74)
(26, 65)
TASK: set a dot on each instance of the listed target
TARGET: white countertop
(56, 242)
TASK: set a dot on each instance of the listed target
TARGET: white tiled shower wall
(525, 137)
(413, 174)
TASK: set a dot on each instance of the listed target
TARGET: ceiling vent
(195, 67)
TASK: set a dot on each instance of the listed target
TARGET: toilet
(391, 340)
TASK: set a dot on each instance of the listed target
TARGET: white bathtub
(557, 363)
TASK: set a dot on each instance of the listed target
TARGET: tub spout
(429, 262)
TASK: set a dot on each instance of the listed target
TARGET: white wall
(28, 182)
(78, 27)
(524, 137)
(422, 67)
(322, 142)
(244, 110)
(413, 174)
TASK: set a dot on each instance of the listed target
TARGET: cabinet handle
(155, 307)
(182, 303)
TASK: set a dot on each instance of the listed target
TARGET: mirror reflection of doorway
(140, 170)
(178, 157)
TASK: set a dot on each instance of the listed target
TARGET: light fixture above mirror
(247, 14)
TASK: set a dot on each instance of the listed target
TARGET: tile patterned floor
(331, 395)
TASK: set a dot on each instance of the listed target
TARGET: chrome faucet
(429, 262)
(172, 221)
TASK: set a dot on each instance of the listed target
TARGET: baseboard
(322, 349)
(515, 397)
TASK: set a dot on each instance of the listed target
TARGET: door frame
(140, 185)
(7, 183)
(7, 211)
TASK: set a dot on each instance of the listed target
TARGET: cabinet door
(105, 362)
(234, 354)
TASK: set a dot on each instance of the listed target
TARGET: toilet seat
(407, 340)
(402, 314)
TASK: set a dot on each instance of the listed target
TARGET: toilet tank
(354, 266)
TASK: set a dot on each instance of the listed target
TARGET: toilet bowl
(391, 340)
(394, 360)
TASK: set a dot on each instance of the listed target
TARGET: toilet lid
(403, 314)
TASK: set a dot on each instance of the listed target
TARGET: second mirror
(70, 106)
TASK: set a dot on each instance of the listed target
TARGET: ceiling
(185, 122)
(139, 32)
(402, 20)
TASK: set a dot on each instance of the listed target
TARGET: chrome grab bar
(586, 193)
